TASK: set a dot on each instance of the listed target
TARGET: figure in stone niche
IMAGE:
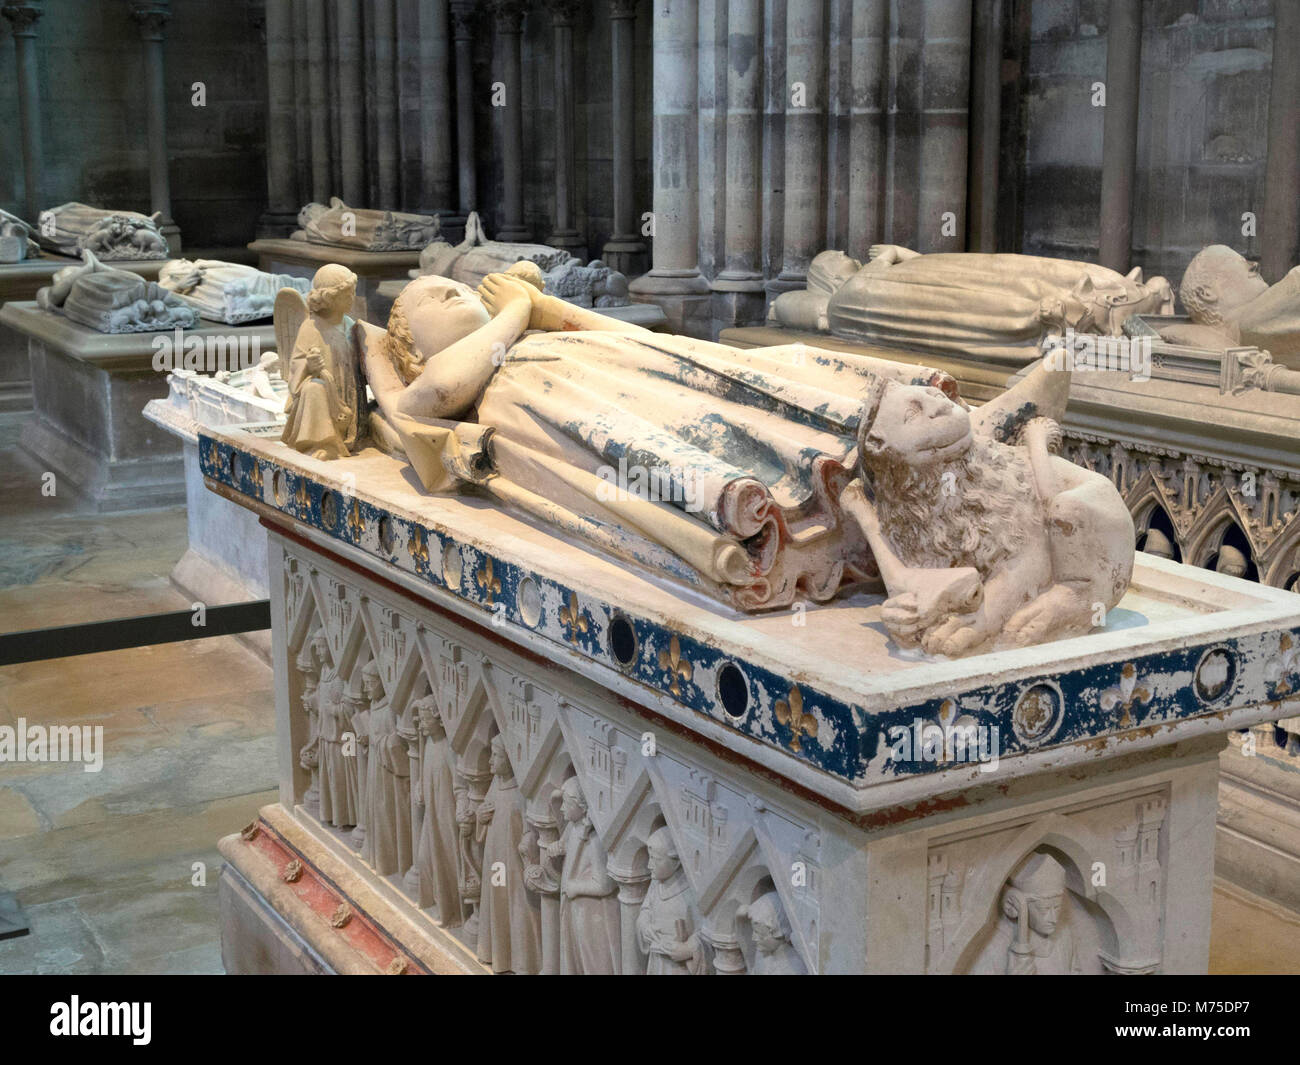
(74, 228)
(387, 845)
(227, 292)
(336, 756)
(667, 926)
(1031, 938)
(360, 708)
(437, 853)
(589, 917)
(309, 664)
(113, 301)
(322, 415)
(1230, 305)
(357, 227)
(470, 261)
(510, 920)
(754, 494)
(16, 239)
(774, 954)
(993, 307)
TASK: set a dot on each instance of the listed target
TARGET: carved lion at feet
(982, 542)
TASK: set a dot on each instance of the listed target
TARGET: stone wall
(1202, 128)
(93, 114)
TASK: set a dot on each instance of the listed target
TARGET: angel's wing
(290, 312)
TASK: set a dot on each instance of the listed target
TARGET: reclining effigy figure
(766, 475)
(74, 228)
(367, 230)
(226, 292)
(113, 301)
(470, 261)
(999, 308)
(1230, 305)
(16, 239)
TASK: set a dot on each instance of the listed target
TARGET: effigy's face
(920, 426)
(1237, 280)
(444, 312)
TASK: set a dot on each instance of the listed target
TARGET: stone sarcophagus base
(500, 753)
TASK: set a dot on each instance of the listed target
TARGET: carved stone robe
(337, 772)
(589, 917)
(388, 795)
(510, 920)
(668, 916)
(438, 851)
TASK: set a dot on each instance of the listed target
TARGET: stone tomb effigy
(567, 764)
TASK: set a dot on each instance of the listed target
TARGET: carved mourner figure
(336, 755)
(1030, 939)
(755, 495)
(774, 954)
(309, 664)
(437, 853)
(996, 307)
(322, 413)
(667, 926)
(387, 844)
(589, 917)
(510, 924)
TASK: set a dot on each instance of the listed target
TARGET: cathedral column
(435, 108)
(151, 17)
(1119, 133)
(22, 17)
(386, 193)
(462, 22)
(352, 137)
(805, 147)
(985, 127)
(565, 233)
(1279, 228)
(866, 125)
(674, 281)
(509, 31)
(281, 183)
(318, 74)
(740, 299)
(632, 887)
(624, 251)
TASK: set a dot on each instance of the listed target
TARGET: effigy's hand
(500, 292)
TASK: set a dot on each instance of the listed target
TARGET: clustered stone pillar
(352, 141)
(674, 281)
(385, 15)
(1119, 133)
(435, 110)
(151, 17)
(281, 186)
(318, 90)
(509, 32)
(624, 251)
(1280, 224)
(565, 234)
(739, 284)
(22, 17)
(985, 126)
(462, 19)
(805, 120)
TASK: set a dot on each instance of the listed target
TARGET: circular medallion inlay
(1038, 714)
(1215, 673)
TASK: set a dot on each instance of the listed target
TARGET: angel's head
(429, 315)
(333, 290)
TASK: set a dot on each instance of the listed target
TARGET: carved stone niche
(535, 802)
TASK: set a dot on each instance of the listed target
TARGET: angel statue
(760, 476)
(323, 415)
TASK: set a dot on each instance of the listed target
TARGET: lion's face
(919, 427)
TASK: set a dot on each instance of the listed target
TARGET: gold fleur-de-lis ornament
(790, 713)
(680, 670)
(573, 619)
(490, 584)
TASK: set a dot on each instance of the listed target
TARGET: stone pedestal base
(629, 257)
(737, 308)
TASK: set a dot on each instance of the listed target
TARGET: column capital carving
(620, 9)
(22, 17)
(510, 14)
(564, 12)
(463, 14)
(151, 16)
